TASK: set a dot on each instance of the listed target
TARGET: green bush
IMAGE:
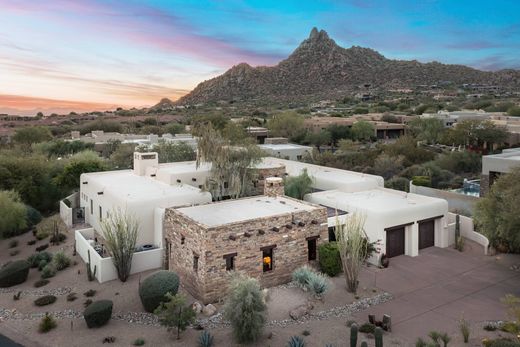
(424, 181)
(502, 343)
(61, 261)
(41, 283)
(45, 300)
(329, 258)
(153, 289)
(367, 328)
(98, 313)
(49, 271)
(43, 263)
(12, 214)
(36, 258)
(33, 216)
(14, 273)
(245, 308)
(90, 293)
(139, 342)
(47, 323)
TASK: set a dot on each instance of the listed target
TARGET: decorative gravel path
(214, 321)
(38, 292)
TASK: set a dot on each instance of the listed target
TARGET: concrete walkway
(433, 290)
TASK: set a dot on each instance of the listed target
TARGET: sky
(82, 55)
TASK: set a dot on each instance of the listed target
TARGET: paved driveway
(432, 291)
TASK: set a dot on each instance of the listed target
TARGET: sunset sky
(58, 55)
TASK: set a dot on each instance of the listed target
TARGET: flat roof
(125, 183)
(184, 167)
(232, 211)
(283, 146)
(377, 200)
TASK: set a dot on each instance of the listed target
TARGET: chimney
(143, 161)
(273, 187)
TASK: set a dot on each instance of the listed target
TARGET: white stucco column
(411, 236)
(441, 233)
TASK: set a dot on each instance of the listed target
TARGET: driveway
(433, 290)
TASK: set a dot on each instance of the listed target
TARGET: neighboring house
(281, 148)
(258, 133)
(382, 130)
(495, 165)
(266, 236)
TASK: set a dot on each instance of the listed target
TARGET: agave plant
(205, 339)
(296, 341)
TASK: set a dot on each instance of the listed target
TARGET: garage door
(394, 241)
(426, 234)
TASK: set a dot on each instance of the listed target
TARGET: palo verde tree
(231, 172)
(297, 186)
(120, 233)
(353, 248)
(174, 314)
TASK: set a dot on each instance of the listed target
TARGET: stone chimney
(273, 187)
(143, 161)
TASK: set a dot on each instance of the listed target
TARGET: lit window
(268, 258)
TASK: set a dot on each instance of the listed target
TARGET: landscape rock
(209, 310)
(197, 307)
(299, 312)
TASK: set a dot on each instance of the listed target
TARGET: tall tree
(286, 124)
(175, 314)
(231, 172)
(83, 162)
(296, 187)
(13, 214)
(427, 129)
(30, 135)
(497, 214)
(362, 131)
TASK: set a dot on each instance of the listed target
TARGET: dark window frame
(230, 261)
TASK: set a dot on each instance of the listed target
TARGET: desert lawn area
(429, 292)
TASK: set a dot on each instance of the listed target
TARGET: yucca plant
(296, 341)
(205, 339)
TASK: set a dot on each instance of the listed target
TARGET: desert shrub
(49, 271)
(43, 263)
(13, 243)
(205, 339)
(98, 313)
(12, 214)
(139, 342)
(501, 343)
(87, 302)
(464, 329)
(308, 279)
(329, 258)
(367, 328)
(36, 258)
(58, 238)
(318, 284)
(61, 261)
(153, 289)
(31, 242)
(72, 297)
(42, 233)
(424, 181)
(90, 293)
(45, 300)
(41, 283)
(245, 308)
(296, 341)
(47, 323)
(33, 216)
(398, 183)
(301, 275)
(14, 252)
(14, 273)
(42, 247)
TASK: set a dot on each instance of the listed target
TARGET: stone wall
(276, 140)
(263, 173)
(287, 232)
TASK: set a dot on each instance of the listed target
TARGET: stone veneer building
(267, 237)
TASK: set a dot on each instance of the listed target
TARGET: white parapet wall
(467, 230)
(105, 269)
(66, 214)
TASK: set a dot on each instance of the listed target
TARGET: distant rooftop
(283, 146)
(233, 211)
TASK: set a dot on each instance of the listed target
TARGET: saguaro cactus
(378, 334)
(90, 274)
(353, 335)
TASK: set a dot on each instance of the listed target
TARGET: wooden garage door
(394, 241)
(426, 234)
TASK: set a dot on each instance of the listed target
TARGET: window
(311, 248)
(332, 234)
(268, 258)
(91, 206)
(230, 261)
(100, 213)
(195, 263)
(226, 185)
(298, 157)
